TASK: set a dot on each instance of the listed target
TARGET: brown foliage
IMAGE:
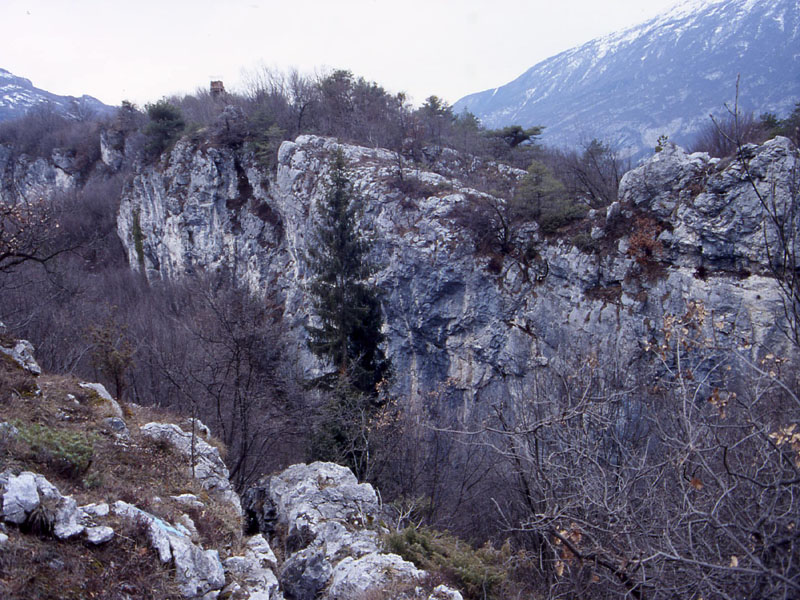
(643, 244)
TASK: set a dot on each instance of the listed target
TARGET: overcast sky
(144, 50)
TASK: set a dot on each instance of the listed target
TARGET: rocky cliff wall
(23, 178)
(453, 316)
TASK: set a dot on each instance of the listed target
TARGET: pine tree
(349, 334)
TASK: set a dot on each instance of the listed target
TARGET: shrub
(68, 452)
(560, 212)
(165, 126)
(644, 246)
(265, 144)
(583, 241)
(478, 573)
(720, 137)
(542, 198)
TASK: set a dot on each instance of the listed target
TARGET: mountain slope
(662, 77)
(18, 95)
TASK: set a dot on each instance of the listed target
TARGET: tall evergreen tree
(349, 332)
(345, 302)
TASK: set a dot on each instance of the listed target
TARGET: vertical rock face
(450, 316)
(27, 179)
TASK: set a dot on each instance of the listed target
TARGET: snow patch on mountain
(675, 68)
(18, 95)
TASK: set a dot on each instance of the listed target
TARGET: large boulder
(318, 502)
(328, 523)
(252, 574)
(374, 571)
(20, 498)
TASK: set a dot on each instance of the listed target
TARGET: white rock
(99, 535)
(197, 571)
(186, 522)
(22, 353)
(156, 528)
(96, 509)
(199, 427)
(308, 496)
(251, 574)
(442, 592)
(352, 577)
(259, 547)
(100, 389)
(68, 519)
(20, 497)
(188, 500)
(46, 489)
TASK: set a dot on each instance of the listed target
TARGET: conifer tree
(346, 303)
(349, 334)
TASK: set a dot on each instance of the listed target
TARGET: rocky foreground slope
(688, 230)
(95, 504)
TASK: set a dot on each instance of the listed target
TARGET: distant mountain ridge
(18, 95)
(661, 77)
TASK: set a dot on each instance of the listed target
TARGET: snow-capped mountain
(664, 76)
(18, 95)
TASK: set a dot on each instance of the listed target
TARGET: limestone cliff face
(450, 315)
(23, 178)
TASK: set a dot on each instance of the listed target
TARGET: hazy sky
(143, 50)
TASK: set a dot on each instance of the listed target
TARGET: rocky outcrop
(326, 522)
(716, 214)
(21, 352)
(31, 502)
(206, 465)
(197, 571)
(27, 179)
(456, 318)
(329, 527)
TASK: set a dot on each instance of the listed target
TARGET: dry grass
(37, 567)
(65, 437)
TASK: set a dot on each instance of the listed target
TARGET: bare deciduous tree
(682, 483)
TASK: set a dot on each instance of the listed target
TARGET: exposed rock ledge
(448, 316)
